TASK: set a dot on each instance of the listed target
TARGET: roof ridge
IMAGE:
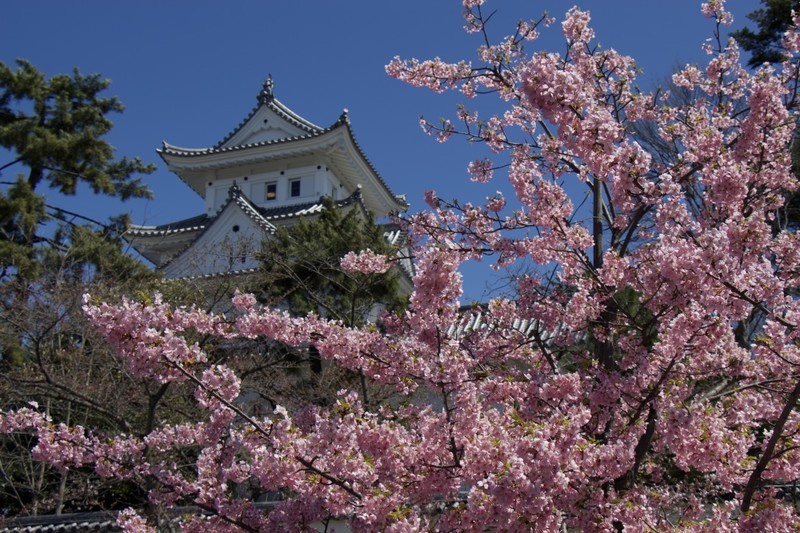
(250, 209)
(266, 98)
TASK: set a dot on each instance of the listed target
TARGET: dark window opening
(294, 188)
(272, 191)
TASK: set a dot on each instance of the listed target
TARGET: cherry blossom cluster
(642, 373)
(365, 262)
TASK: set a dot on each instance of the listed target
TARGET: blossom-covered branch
(643, 375)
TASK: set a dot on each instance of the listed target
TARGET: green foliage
(301, 272)
(51, 131)
(99, 253)
(301, 267)
(85, 250)
(55, 128)
(21, 213)
(771, 21)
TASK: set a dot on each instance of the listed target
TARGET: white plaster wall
(220, 249)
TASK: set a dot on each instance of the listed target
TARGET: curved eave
(399, 202)
(337, 143)
(157, 247)
(314, 208)
(144, 232)
(188, 225)
(218, 275)
(181, 160)
(175, 154)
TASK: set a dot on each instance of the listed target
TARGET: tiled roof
(201, 222)
(267, 98)
(100, 522)
(308, 208)
(167, 148)
(217, 275)
(478, 320)
(396, 236)
(250, 209)
(289, 211)
(194, 223)
(399, 198)
(263, 216)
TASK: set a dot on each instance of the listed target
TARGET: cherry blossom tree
(644, 376)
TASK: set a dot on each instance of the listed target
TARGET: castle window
(294, 188)
(272, 191)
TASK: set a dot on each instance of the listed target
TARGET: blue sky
(189, 71)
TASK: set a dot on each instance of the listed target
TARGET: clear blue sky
(189, 71)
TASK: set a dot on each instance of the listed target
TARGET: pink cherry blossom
(640, 371)
(365, 262)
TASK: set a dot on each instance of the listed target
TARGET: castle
(272, 169)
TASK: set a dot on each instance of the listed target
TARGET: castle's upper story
(272, 169)
(277, 158)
